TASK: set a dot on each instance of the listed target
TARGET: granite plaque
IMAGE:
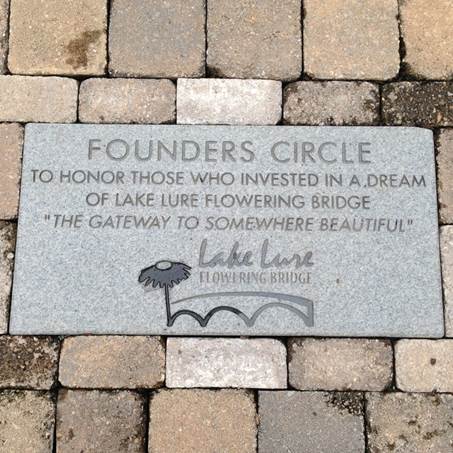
(218, 230)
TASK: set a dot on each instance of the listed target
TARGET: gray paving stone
(7, 247)
(58, 37)
(424, 365)
(418, 104)
(26, 422)
(127, 101)
(112, 362)
(94, 264)
(444, 158)
(28, 362)
(227, 101)
(223, 362)
(157, 39)
(4, 14)
(312, 422)
(187, 421)
(351, 39)
(38, 99)
(340, 364)
(95, 421)
(446, 247)
(255, 39)
(331, 103)
(415, 423)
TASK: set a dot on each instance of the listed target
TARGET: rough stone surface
(418, 104)
(58, 37)
(351, 39)
(331, 103)
(258, 39)
(7, 247)
(38, 99)
(26, 422)
(11, 141)
(312, 422)
(445, 174)
(424, 365)
(28, 362)
(127, 101)
(428, 38)
(446, 248)
(112, 362)
(95, 421)
(104, 296)
(415, 423)
(4, 14)
(223, 101)
(340, 364)
(187, 421)
(212, 362)
(157, 39)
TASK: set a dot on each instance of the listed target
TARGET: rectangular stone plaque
(223, 230)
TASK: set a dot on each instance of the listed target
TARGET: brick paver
(427, 29)
(255, 39)
(446, 249)
(112, 362)
(58, 37)
(95, 421)
(157, 39)
(7, 247)
(28, 362)
(424, 365)
(312, 422)
(11, 141)
(445, 175)
(26, 422)
(418, 104)
(204, 421)
(340, 364)
(127, 101)
(223, 362)
(331, 103)
(4, 14)
(228, 101)
(351, 39)
(38, 99)
(415, 423)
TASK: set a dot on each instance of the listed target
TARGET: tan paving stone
(418, 104)
(424, 365)
(95, 422)
(412, 423)
(446, 249)
(445, 174)
(11, 141)
(331, 103)
(226, 362)
(112, 362)
(26, 422)
(312, 422)
(7, 248)
(38, 99)
(202, 421)
(340, 364)
(427, 29)
(228, 101)
(4, 14)
(351, 39)
(256, 39)
(127, 101)
(157, 38)
(28, 362)
(58, 37)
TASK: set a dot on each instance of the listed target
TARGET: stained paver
(446, 249)
(445, 175)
